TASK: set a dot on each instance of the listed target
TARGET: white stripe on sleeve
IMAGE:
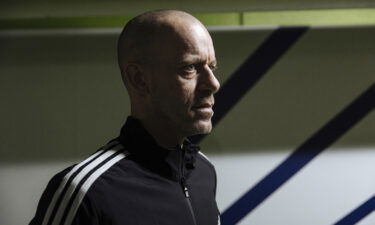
(75, 182)
(62, 185)
(85, 187)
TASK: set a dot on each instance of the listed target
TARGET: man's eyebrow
(194, 58)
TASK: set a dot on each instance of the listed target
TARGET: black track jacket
(133, 181)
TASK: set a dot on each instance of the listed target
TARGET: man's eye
(213, 67)
(189, 68)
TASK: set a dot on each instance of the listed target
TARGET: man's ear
(137, 79)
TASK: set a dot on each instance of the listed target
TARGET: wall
(62, 98)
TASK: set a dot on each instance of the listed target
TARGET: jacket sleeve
(47, 207)
(86, 214)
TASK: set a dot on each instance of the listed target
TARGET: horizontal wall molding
(331, 17)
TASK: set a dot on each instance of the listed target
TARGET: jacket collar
(174, 163)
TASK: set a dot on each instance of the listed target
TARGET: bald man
(151, 173)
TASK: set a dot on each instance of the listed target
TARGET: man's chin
(201, 127)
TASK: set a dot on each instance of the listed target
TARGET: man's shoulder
(203, 158)
(67, 189)
(83, 174)
(93, 165)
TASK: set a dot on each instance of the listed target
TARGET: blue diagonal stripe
(359, 213)
(327, 135)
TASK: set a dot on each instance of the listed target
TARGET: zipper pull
(183, 184)
(186, 191)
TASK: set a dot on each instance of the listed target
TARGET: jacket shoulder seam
(205, 159)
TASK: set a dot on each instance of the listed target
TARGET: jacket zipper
(185, 189)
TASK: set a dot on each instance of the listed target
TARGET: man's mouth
(204, 110)
(203, 106)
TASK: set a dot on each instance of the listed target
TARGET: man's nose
(208, 80)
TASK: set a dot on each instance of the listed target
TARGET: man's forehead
(182, 41)
(190, 48)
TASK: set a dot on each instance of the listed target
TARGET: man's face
(182, 82)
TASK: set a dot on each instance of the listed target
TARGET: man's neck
(163, 135)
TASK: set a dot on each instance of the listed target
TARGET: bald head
(145, 35)
(167, 61)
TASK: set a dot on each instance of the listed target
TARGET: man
(151, 173)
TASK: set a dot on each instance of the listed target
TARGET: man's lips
(204, 110)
